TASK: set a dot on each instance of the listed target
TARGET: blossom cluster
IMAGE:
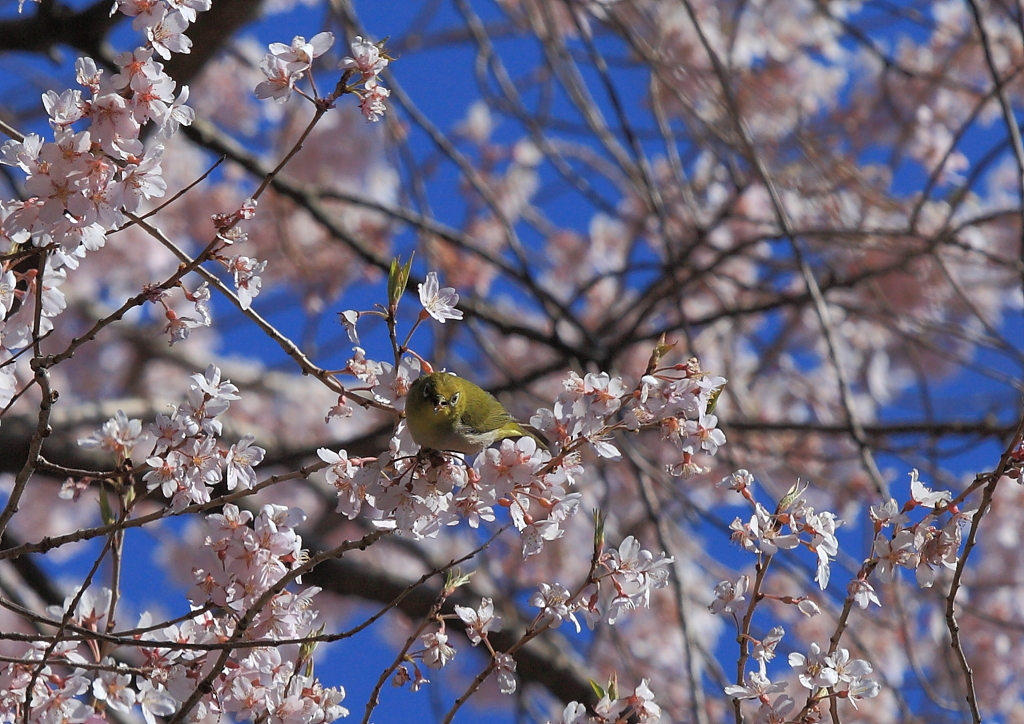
(96, 170)
(163, 21)
(438, 653)
(816, 531)
(285, 65)
(419, 494)
(247, 557)
(817, 671)
(622, 581)
(677, 400)
(187, 460)
(638, 706)
(630, 574)
(368, 60)
(926, 546)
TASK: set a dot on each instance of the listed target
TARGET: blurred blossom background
(821, 200)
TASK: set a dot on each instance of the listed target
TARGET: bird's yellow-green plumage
(445, 412)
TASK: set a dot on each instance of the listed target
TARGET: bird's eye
(455, 398)
(426, 391)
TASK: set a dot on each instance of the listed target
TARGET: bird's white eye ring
(455, 398)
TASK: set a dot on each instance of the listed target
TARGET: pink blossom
(923, 495)
(281, 79)
(118, 435)
(114, 126)
(644, 706)
(729, 597)
(300, 53)
(371, 101)
(479, 622)
(23, 154)
(554, 603)
(114, 689)
(439, 303)
(437, 653)
(348, 320)
(366, 58)
(240, 460)
(155, 701)
(167, 36)
(739, 481)
(189, 8)
(511, 464)
(64, 109)
(505, 666)
(815, 669)
(142, 180)
(757, 685)
(248, 282)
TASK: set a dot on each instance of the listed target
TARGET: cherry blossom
(167, 36)
(437, 653)
(438, 303)
(555, 605)
(598, 316)
(505, 668)
(119, 436)
(348, 320)
(371, 103)
(240, 460)
(757, 686)
(729, 596)
(248, 282)
(366, 58)
(300, 53)
(480, 621)
(281, 79)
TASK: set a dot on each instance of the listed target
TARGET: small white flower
(765, 650)
(739, 480)
(808, 607)
(729, 596)
(348, 320)
(118, 435)
(371, 101)
(302, 52)
(240, 460)
(925, 496)
(505, 665)
(863, 593)
(437, 653)
(155, 702)
(366, 58)
(862, 688)
(479, 622)
(553, 600)
(439, 303)
(757, 685)
(815, 669)
(887, 513)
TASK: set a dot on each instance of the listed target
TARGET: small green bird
(446, 412)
